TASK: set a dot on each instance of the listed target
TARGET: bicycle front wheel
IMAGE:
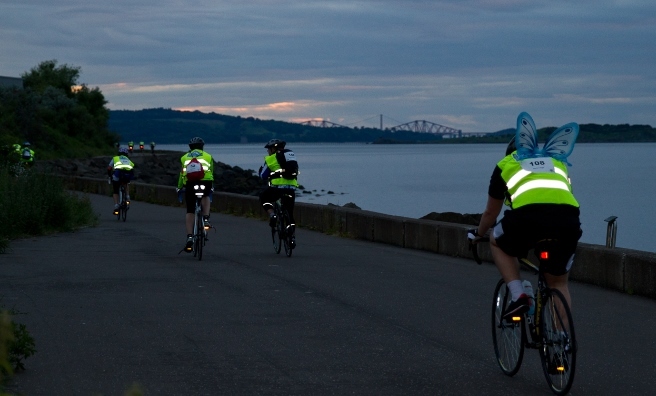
(558, 351)
(508, 337)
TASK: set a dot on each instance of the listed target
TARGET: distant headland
(166, 126)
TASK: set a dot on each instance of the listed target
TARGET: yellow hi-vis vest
(122, 162)
(273, 165)
(205, 160)
(536, 181)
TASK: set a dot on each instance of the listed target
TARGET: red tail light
(544, 255)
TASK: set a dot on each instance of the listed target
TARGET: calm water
(414, 180)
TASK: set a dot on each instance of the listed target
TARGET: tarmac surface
(116, 305)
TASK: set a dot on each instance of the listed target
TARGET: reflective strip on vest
(120, 165)
(203, 162)
(523, 173)
(556, 184)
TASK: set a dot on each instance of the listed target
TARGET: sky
(471, 65)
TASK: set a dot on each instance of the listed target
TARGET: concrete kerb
(625, 270)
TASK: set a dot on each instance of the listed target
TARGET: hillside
(166, 126)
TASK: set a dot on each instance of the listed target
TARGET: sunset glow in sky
(467, 64)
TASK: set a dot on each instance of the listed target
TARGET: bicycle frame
(549, 329)
(124, 204)
(280, 231)
(200, 234)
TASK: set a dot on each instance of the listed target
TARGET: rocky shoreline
(161, 168)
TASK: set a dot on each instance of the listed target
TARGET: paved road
(116, 305)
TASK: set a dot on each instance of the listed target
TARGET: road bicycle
(200, 232)
(283, 232)
(549, 329)
(124, 202)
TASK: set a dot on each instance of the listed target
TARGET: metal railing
(611, 231)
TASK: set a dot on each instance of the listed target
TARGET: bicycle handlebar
(473, 247)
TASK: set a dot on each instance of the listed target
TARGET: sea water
(412, 180)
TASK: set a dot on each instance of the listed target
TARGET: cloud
(473, 63)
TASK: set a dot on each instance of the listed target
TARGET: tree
(48, 74)
(56, 114)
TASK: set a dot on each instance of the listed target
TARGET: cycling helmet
(196, 143)
(26, 144)
(511, 146)
(123, 150)
(275, 143)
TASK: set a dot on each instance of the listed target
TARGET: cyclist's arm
(110, 167)
(490, 214)
(495, 199)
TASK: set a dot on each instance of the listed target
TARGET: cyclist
(15, 153)
(280, 169)
(152, 147)
(27, 155)
(121, 171)
(197, 169)
(542, 206)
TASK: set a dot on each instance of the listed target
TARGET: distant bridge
(421, 126)
(424, 126)
(323, 124)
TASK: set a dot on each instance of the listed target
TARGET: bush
(36, 204)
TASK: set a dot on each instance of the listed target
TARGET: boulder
(161, 168)
(452, 217)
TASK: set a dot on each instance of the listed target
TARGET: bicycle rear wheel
(508, 337)
(121, 193)
(199, 237)
(276, 234)
(124, 209)
(284, 232)
(558, 351)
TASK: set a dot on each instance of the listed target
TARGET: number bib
(538, 165)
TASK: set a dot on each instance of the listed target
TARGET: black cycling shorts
(519, 231)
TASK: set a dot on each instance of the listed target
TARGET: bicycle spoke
(558, 352)
(507, 337)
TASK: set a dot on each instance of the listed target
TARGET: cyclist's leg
(556, 271)
(511, 238)
(190, 201)
(288, 200)
(115, 187)
(559, 282)
(267, 198)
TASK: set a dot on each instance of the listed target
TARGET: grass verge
(37, 204)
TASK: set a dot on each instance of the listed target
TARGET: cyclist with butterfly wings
(197, 169)
(535, 184)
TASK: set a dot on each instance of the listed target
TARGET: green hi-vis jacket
(273, 165)
(121, 162)
(536, 181)
(206, 162)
